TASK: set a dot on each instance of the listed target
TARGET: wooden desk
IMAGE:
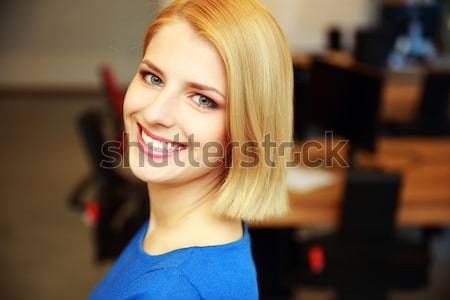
(424, 197)
(401, 96)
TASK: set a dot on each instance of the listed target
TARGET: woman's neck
(175, 205)
(181, 216)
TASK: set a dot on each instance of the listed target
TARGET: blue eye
(203, 101)
(151, 79)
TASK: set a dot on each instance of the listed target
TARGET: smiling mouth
(156, 146)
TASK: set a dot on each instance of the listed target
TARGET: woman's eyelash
(146, 73)
(209, 105)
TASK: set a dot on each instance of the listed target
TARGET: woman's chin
(156, 174)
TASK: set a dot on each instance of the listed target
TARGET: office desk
(424, 196)
(401, 96)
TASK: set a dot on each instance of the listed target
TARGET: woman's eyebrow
(204, 87)
(152, 65)
(190, 84)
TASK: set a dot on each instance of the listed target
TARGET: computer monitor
(346, 100)
(301, 103)
(397, 17)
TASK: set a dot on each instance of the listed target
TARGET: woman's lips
(151, 151)
(159, 138)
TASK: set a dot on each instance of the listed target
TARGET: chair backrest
(114, 91)
(373, 45)
(115, 97)
(369, 206)
(433, 108)
(91, 130)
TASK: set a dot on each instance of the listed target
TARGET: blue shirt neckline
(237, 243)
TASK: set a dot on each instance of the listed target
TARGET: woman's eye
(151, 79)
(203, 101)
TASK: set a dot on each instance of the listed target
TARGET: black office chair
(432, 116)
(274, 254)
(373, 45)
(122, 204)
(364, 259)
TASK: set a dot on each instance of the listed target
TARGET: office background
(50, 58)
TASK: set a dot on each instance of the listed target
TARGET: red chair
(115, 96)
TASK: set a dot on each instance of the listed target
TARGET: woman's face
(177, 96)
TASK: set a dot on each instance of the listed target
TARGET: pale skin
(161, 99)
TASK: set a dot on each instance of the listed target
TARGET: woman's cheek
(129, 102)
(212, 130)
(136, 99)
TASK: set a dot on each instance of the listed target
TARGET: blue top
(224, 271)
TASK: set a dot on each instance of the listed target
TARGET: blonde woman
(214, 84)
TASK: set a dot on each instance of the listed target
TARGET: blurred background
(375, 73)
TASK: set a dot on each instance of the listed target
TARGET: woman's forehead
(183, 54)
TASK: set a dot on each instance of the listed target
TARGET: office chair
(122, 204)
(114, 92)
(274, 253)
(373, 45)
(364, 258)
(432, 116)
(114, 96)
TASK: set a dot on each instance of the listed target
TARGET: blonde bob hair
(259, 93)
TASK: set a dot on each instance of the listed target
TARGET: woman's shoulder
(223, 271)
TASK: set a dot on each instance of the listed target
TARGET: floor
(46, 251)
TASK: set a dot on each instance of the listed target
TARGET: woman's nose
(160, 111)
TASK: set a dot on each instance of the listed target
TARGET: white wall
(49, 42)
(305, 22)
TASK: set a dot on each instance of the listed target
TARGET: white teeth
(158, 145)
